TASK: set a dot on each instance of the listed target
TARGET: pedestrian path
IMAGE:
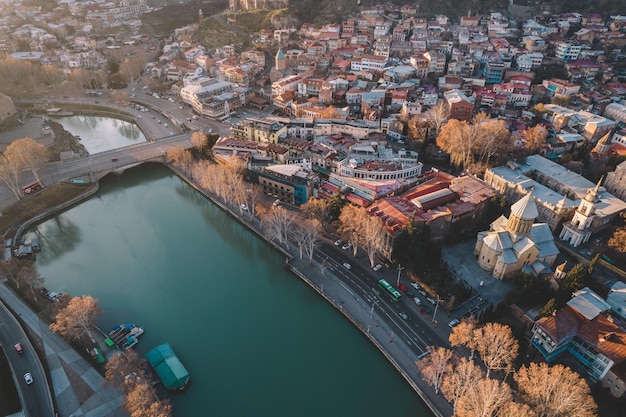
(79, 390)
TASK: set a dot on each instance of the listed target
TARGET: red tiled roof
(606, 336)
(562, 326)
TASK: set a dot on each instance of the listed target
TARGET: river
(99, 134)
(256, 340)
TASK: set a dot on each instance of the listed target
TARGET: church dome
(525, 208)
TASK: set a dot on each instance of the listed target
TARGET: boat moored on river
(120, 336)
(170, 369)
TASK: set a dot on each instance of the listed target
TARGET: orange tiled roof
(606, 336)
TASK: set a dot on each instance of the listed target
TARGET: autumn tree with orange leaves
(77, 319)
(554, 391)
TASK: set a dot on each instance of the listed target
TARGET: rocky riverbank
(64, 141)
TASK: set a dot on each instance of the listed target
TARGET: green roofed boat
(170, 369)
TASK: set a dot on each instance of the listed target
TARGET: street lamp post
(435, 312)
(400, 268)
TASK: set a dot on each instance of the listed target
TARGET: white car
(28, 378)
(346, 246)
(244, 207)
(347, 265)
(338, 242)
(403, 315)
(417, 301)
(454, 322)
(377, 267)
(415, 285)
(276, 203)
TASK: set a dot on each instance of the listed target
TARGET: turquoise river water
(256, 340)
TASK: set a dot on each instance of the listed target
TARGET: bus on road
(393, 293)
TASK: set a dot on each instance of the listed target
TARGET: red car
(18, 348)
(402, 287)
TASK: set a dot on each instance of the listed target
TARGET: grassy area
(165, 20)
(33, 205)
(255, 20)
(214, 33)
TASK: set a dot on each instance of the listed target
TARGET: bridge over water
(98, 165)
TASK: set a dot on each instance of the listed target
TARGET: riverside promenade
(351, 305)
(78, 388)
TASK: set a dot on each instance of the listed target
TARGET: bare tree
(161, 408)
(139, 399)
(349, 225)
(31, 154)
(536, 137)
(464, 374)
(299, 234)
(120, 98)
(10, 268)
(473, 145)
(10, 169)
(437, 116)
(199, 141)
(77, 318)
(254, 193)
(463, 335)
(493, 138)
(317, 208)
(30, 277)
(124, 365)
(554, 391)
(179, 157)
(485, 398)
(457, 138)
(496, 346)
(277, 224)
(435, 366)
(373, 236)
(313, 229)
(515, 409)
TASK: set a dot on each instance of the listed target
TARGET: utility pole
(400, 268)
(435, 312)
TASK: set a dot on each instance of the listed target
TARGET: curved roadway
(35, 398)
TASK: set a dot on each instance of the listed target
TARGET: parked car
(453, 323)
(416, 286)
(377, 268)
(18, 348)
(422, 291)
(409, 293)
(403, 315)
(347, 265)
(431, 300)
(28, 378)
(346, 246)
(417, 301)
(402, 287)
(276, 203)
(338, 242)
(244, 207)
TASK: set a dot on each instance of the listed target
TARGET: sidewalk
(359, 312)
(78, 389)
